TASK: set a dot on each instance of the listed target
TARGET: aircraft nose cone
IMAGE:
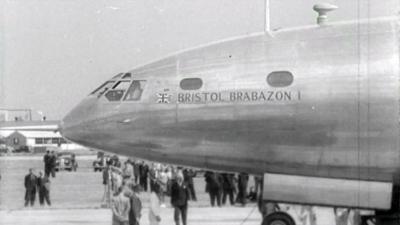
(82, 113)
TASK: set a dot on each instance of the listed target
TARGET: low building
(37, 141)
(16, 140)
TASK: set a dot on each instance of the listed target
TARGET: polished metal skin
(339, 118)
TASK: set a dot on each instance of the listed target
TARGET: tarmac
(76, 198)
(196, 216)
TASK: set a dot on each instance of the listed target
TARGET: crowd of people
(50, 159)
(224, 186)
(39, 184)
(124, 181)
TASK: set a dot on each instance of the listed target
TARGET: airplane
(312, 109)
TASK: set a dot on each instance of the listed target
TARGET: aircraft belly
(288, 139)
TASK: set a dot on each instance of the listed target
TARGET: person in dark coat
(53, 160)
(30, 187)
(44, 189)
(179, 199)
(228, 187)
(242, 188)
(107, 184)
(144, 172)
(188, 175)
(136, 170)
(257, 184)
(47, 166)
(136, 205)
(74, 162)
(213, 187)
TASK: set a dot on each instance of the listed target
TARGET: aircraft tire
(278, 218)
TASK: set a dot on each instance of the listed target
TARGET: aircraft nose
(82, 113)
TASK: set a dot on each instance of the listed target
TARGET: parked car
(4, 149)
(23, 148)
(66, 161)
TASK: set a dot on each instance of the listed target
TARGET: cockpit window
(117, 76)
(127, 76)
(117, 91)
(121, 85)
(135, 90)
(103, 88)
(114, 95)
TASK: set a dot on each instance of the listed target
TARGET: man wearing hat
(179, 199)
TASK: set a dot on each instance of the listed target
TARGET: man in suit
(214, 187)
(46, 160)
(188, 175)
(44, 189)
(179, 199)
(136, 170)
(52, 163)
(144, 172)
(30, 187)
(242, 188)
(136, 205)
(228, 186)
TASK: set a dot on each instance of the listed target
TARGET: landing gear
(278, 218)
(272, 214)
(389, 217)
(377, 219)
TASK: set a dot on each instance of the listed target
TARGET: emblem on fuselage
(163, 98)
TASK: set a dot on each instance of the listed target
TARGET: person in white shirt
(120, 207)
(116, 179)
(163, 184)
(127, 172)
(341, 215)
(155, 206)
(307, 215)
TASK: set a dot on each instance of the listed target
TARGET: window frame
(270, 77)
(16, 141)
(191, 78)
(115, 88)
(112, 91)
(47, 141)
(39, 142)
(127, 78)
(141, 94)
(116, 77)
(99, 92)
(118, 82)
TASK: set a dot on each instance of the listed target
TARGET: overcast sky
(54, 52)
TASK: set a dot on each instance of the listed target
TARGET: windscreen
(103, 88)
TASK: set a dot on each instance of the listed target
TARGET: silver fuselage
(339, 118)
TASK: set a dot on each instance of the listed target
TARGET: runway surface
(69, 190)
(76, 199)
(200, 216)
